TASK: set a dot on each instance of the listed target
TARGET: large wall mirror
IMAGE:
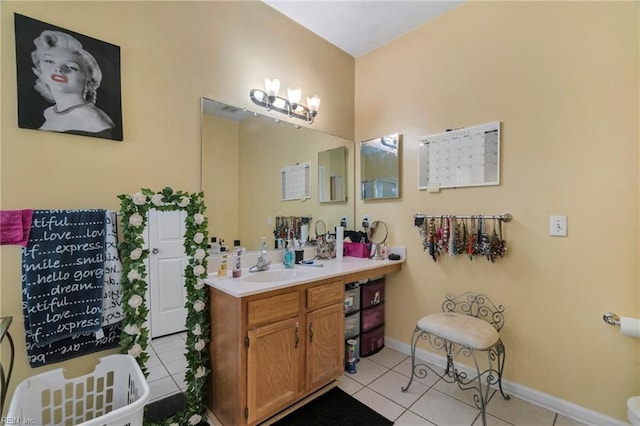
(243, 153)
(380, 167)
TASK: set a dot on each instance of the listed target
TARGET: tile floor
(377, 384)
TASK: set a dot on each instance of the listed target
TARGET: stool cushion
(466, 330)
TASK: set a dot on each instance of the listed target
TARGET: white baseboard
(557, 405)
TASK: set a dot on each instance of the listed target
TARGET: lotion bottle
(237, 262)
(222, 270)
(289, 255)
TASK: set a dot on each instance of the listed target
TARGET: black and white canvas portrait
(67, 82)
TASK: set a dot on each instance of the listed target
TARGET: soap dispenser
(289, 255)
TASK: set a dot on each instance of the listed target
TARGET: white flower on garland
(135, 350)
(134, 208)
(135, 301)
(200, 372)
(198, 305)
(133, 275)
(156, 200)
(136, 253)
(139, 199)
(200, 254)
(199, 345)
(131, 329)
(135, 220)
(198, 270)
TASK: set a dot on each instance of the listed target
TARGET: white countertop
(242, 286)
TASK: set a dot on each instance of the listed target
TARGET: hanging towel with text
(62, 274)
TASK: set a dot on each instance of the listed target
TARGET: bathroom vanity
(277, 336)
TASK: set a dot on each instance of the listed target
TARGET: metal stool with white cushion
(469, 323)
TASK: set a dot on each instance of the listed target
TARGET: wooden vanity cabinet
(270, 350)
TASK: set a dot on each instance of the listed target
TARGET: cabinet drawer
(352, 326)
(326, 294)
(273, 308)
(351, 298)
(372, 341)
(372, 317)
(372, 293)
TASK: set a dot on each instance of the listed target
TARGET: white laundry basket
(114, 394)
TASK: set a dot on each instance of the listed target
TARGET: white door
(167, 260)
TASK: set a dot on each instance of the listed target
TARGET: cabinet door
(272, 368)
(325, 345)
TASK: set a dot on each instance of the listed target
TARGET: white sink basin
(273, 275)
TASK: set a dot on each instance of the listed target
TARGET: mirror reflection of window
(380, 167)
(332, 170)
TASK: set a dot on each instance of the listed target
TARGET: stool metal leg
(420, 370)
(414, 342)
(500, 354)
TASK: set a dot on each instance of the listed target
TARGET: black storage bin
(371, 317)
(372, 341)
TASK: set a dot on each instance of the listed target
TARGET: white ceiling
(358, 27)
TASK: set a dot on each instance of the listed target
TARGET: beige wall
(562, 77)
(172, 54)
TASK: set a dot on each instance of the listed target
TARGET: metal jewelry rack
(455, 236)
(505, 217)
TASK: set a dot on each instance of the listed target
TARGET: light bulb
(272, 87)
(313, 103)
(294, 94)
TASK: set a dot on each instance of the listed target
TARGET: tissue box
(356, 249)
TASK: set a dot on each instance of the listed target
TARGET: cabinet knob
(297, 336)
(155, 251)
(310, 332)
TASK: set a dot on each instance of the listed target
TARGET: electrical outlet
(558, 226)
(343, 221)
(366, 221)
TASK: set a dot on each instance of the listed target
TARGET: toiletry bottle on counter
(222, 270)
(237, 261)
(215, 247)
(288, 255)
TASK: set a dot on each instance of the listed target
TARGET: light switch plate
(558, 226)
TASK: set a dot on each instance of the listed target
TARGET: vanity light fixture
(269, 99)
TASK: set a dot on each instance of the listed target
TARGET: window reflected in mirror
(332, 175)
(380, 167)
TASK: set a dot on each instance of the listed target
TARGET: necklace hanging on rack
(432, 239)
(471, 239)
(71, 108)
(485, 245)
(451, 249)
(461, 236)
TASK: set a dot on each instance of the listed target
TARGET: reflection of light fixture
(270, 100)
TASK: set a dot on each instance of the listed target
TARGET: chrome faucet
(263, 260)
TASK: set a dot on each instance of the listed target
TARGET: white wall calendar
(468, 156)
(295, 182)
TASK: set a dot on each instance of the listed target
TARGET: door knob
(155, 251)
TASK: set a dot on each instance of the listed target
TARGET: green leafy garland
(135, 336)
